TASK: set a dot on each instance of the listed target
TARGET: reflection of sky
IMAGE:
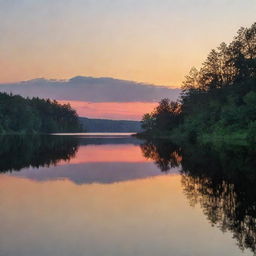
(145, 217)
(102, 172)
(107, 163)
(108, 153)
(147, 40)
(108, 200)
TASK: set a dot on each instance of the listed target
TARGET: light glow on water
(97, 134)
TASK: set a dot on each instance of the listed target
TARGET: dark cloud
(91, 89)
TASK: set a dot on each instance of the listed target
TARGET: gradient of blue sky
(155, 41)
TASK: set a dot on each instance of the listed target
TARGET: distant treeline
(20, 115)
(105, 125)
(217, 101)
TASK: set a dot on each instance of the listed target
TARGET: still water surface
(66, 195)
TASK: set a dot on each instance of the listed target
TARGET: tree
(148, 122)
(20, 115)
(165, 116)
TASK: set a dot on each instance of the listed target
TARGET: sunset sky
(152, 41)
(155, 41)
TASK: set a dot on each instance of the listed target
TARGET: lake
(115, 195)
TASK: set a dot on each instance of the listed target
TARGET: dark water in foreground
(116, 195)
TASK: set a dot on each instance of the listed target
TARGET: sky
(149, 41)
(153, 41)
(97, 97)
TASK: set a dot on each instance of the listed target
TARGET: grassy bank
(239, 138)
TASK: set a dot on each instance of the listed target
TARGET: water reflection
(18, 152)
(69, 174)
(222, 182)
(82, 160)
(165, 154)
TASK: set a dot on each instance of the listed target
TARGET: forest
(20, 115)
(218, 101)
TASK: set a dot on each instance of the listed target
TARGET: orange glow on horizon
(112, 110)
(63, 218)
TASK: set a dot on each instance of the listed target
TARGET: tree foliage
(164, 117)
(220, 96)
(20, 115)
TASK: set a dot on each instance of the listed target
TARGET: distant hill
(106, 125)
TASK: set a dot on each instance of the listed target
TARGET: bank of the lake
(179, 137)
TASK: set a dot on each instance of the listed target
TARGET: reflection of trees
(17, 152)
(165, 154)
(222, 182)
(225, 192)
